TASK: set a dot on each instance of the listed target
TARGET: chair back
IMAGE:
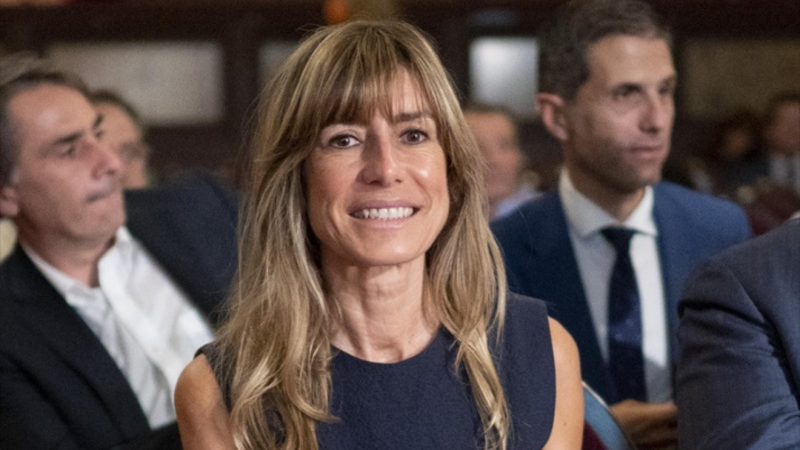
(602, 423)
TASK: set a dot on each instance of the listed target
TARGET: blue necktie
(625, 358)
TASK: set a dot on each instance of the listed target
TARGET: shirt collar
(63, 283)
(586, 218)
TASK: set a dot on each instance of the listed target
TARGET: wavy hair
(277, 341)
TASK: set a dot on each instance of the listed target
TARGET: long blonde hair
(277, 340)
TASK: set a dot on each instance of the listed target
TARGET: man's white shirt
(595, 258)
(145, 322)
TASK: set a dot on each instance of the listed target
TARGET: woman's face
(377, 191)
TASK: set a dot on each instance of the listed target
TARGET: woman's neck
(385, 313)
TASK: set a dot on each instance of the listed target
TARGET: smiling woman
(370, 309)
(386, 167)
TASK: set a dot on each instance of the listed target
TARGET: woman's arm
(201, 411)
(567, 430)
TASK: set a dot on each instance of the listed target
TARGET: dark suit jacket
(541, 262)
(59, 388)
(738, 377)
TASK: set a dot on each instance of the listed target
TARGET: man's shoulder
(18, 277)
(541, 210)
(777, 247)
(194, 203)
(196, 186)
(680, 197)
(678, 208)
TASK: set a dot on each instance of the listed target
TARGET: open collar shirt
(146, 323)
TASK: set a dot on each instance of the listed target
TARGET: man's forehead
(626, 58)
(49, 109)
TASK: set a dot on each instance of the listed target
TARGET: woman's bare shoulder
(564, 348)
(200, 408)
(568, 423)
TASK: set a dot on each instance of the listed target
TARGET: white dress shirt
(595, 257)
(785, 170)
(142, 318)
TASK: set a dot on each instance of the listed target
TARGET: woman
(370, 309)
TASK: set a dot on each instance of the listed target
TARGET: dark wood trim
(242, 26)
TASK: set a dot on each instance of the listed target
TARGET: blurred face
(736, 143)
(783, 134)
(618, 127)
(125, 137)
(497, 139)
(65, 186)
(377, 191)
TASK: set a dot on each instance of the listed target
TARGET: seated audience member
(368, 312)
(782, 140)
(776, 195)
(124, 133)
(738, 377)
(104, 298)
(610, 248)
(734, 160)
(496, 131)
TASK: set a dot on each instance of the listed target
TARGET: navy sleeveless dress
(424, 403)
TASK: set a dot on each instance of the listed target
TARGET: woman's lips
(391, 213)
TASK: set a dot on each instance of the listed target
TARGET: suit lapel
(167, 238)
(562, 288)
(675, 244)
(60, 327)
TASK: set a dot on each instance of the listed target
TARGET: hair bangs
(359, 83)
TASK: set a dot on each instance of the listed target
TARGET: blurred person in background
(776, 194)
(106, 294)
(734, 159)
(495, 130)
(125, 133)
(782, 140)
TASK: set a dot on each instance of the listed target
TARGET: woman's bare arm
(201, 411)
(567, 430)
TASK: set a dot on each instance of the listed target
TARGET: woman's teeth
(384, 213)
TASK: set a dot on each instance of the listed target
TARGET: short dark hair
(565, 40)
(20, 72)
(113, 98)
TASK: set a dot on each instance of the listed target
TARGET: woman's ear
(551, 108)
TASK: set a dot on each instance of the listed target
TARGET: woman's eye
(342, 141)
(414, 136)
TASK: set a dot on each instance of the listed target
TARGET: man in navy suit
(738, 374)
(106, 296)
(607, 82)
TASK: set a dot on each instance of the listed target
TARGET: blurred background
(194, 68)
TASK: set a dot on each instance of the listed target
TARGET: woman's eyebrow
(412, 116)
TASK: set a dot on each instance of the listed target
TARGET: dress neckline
(437, 345)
